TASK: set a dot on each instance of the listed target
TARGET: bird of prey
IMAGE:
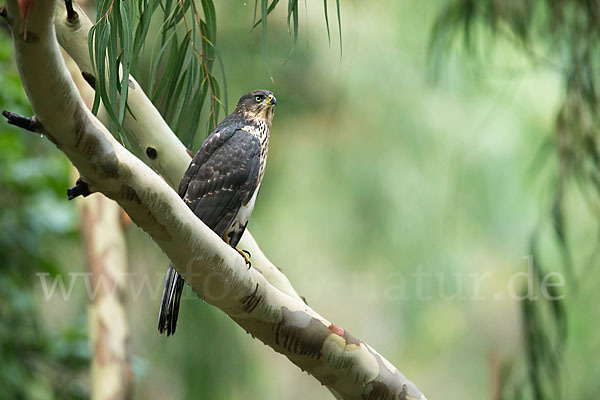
(222, 182)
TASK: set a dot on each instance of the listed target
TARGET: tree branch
(348, 366)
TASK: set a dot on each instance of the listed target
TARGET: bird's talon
(246, 255)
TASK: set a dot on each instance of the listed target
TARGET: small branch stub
(71, 13)
(80, 189)
(27, 123)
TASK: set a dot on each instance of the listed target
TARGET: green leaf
(110, 102)
(327, 21)
(255, 8)
(293, 14)
(265, 44)
(222, 69)
(211, 20)
(126, 55)
(339, 17)
(271, 8)
(145, 18)
(156, 61)
(176, 68)
(91, 47)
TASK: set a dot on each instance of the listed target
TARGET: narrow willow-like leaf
(145, 12)
(293, 15)
(191, 126)
(176, 15)
(91, 35)
(175, 69)
(255, 8)
(187, 93)
(291, 5)
(339, 17)
(156, 61)
(102, 40)
(179, 101)
(181, 118)
(126, 44)
(175, 62)
(208, 30)
(327, 22)
(113, 71)
(216, 96)
(271, 8)
(210, 16)
(222, 69)
(265, 44)
(112, 29)
(208, 46)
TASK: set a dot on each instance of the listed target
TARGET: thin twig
(27, 123)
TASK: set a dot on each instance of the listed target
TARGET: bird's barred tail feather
(169, 306)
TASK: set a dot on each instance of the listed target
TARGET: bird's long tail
(169, 305)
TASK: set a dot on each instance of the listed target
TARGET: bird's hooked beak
(271, 100)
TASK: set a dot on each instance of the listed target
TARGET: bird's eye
(258, 98)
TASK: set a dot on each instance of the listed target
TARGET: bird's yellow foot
(246, 254)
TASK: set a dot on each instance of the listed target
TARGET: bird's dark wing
(215, 140)
(222, 176)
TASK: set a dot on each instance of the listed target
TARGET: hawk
(222, 182)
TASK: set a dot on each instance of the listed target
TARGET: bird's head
(258, 104)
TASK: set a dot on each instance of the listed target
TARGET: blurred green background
(400, 203)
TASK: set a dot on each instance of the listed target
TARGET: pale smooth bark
(349, 367)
